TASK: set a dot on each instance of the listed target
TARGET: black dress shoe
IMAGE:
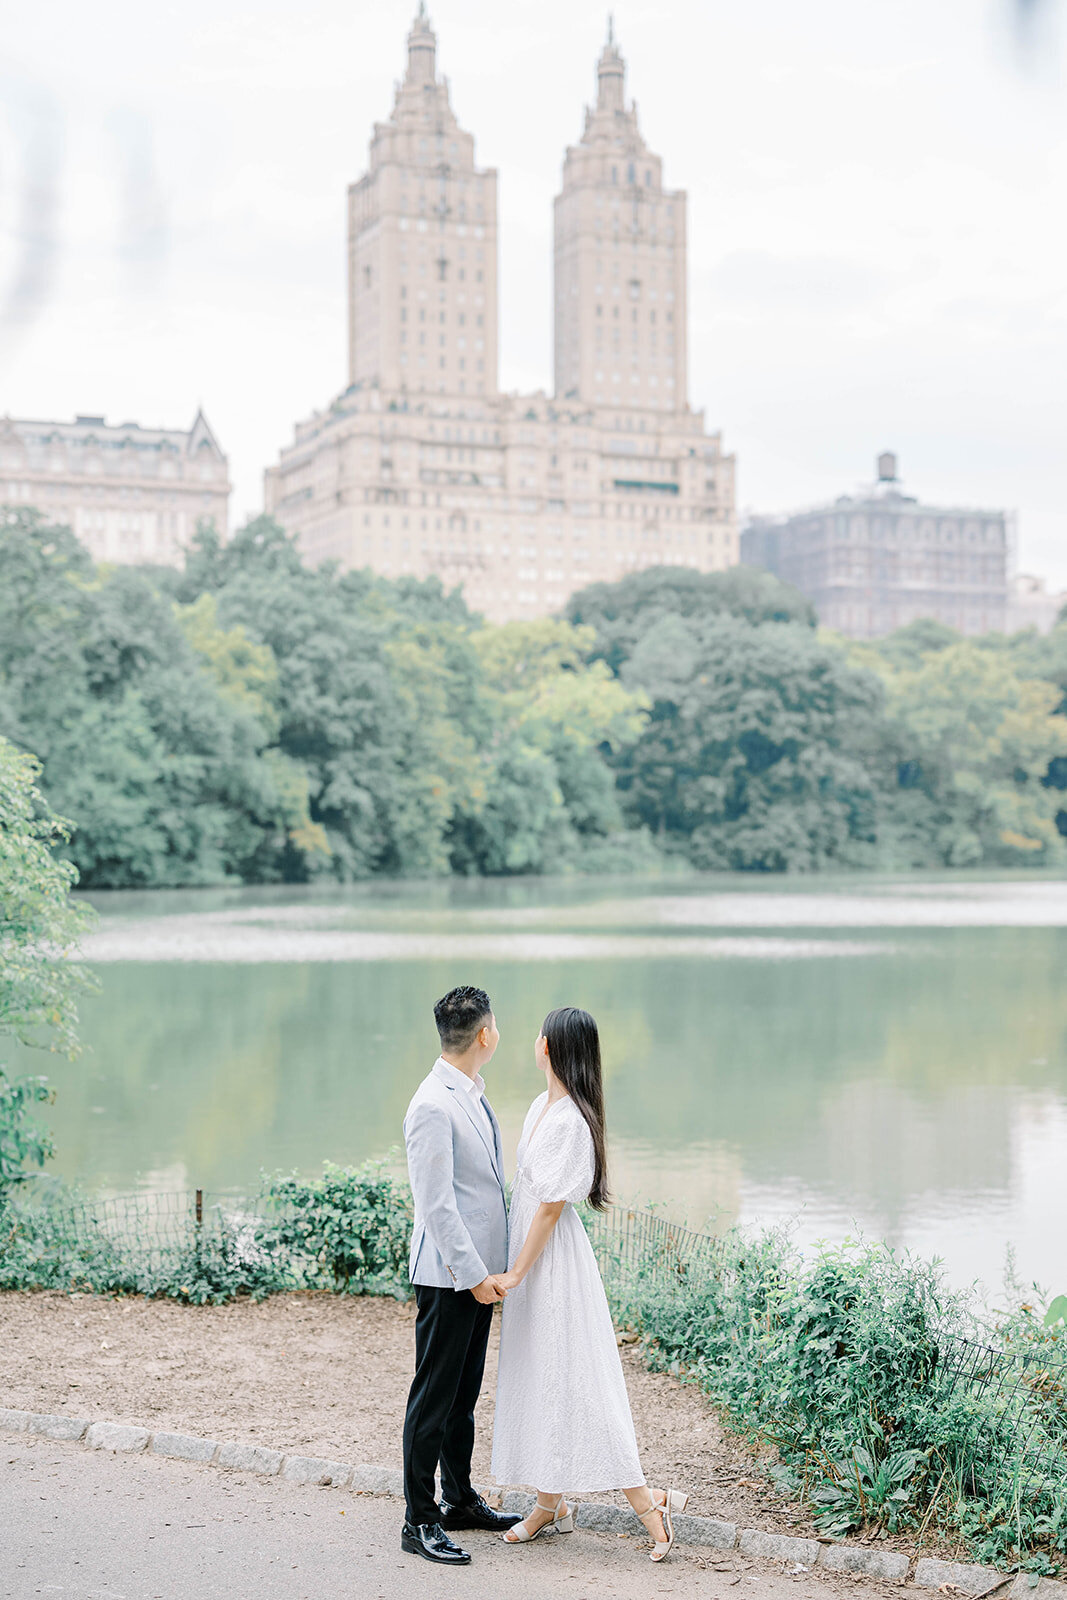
(474, 1513)
(428, 1539)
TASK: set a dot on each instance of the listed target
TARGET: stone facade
(422, 246)
(878, 559)
(422, 466)
(620, 262)
(1031, 605)
(131, 494)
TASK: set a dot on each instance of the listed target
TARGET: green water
(890, 1057)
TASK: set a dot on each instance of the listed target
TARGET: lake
(884, 1055)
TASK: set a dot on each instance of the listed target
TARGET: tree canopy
(621, 613)
(252, 718)
(39, 931)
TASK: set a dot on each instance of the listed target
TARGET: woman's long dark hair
(574, 1055)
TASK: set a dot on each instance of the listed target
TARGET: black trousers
(451, 1336)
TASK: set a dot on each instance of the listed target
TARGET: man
(458, 1247)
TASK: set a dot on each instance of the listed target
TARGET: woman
(562, 1413)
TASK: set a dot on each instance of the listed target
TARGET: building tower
(620, 270)
(422, 267)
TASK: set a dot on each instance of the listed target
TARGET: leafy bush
(856, 1365)
(350, 1229)
(347, 1231)
(51, 1238)
(22, 1140)
(39, 982)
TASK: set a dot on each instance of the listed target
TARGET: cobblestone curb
(894, 1565)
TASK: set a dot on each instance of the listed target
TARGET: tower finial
(421, 50)
(611, 73)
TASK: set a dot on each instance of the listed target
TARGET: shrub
(856, 1364)
(51, 1238)
(350, 1229)
(347, 1231)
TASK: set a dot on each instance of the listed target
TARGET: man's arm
(428, 1136)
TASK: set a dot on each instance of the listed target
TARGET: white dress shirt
(475, 1087)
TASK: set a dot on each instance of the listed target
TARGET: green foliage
(770, 749)
(622, 613)
(753, 754)
(848, 1363)
(975, 746)
(351, 1228)
(39, 929)
(154, 744)
(39, 925)
(858, 1488)
(58, 1241)
(251, 718)
(548, 794)
(347, 1231)
(1057, 1311)
(22, 1141)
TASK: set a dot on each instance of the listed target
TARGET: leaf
(1057, 1311)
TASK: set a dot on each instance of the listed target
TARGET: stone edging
(894, 1565)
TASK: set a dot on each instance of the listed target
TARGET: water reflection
(908, 1075)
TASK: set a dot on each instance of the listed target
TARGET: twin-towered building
(422, 465)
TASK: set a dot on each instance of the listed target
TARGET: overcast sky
(877, 220)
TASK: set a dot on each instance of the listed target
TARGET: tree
(161, 761)
(978, 748)
(752, 756)
(550, 797)
(910, 645)
(621, 613)
(376, 698)
(39, 930)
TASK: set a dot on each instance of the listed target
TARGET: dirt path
(323, 1375)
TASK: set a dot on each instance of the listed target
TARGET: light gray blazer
(456, 1170)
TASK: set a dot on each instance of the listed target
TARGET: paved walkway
(91, 1526)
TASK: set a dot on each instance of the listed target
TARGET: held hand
(508, 1280)
(488, 1292)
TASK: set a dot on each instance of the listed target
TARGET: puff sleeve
(561, 1163)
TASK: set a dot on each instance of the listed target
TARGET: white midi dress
(563, 1420)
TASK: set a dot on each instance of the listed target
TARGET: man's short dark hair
(459, 1015)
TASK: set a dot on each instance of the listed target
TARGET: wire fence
(1022, 1418)
(146, 1229)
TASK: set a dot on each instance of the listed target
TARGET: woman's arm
(545, 1219)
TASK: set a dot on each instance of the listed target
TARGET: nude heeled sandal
(519, 1534)
(673, 1500)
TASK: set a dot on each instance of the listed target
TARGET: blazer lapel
(498, 1145)
(466, 1101)
(492, 1144)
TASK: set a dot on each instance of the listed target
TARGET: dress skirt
(563, 1420)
